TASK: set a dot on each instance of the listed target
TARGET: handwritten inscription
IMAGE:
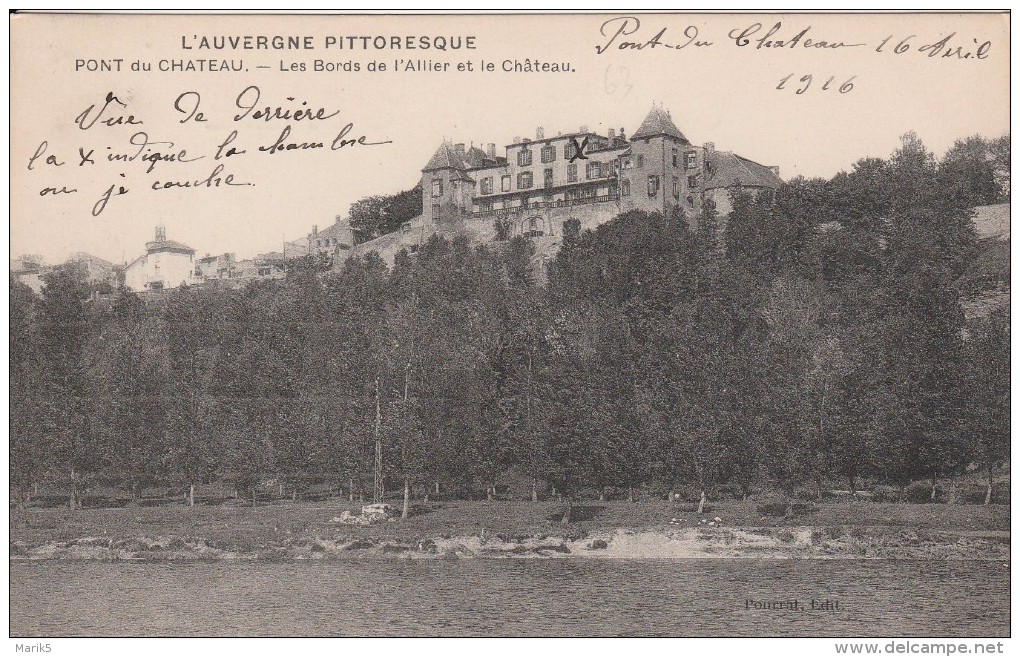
(775, 37)
(88, 118)
(168, 164)
(629, 33)
(615, 29)
(805, 83)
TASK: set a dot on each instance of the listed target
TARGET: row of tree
(814, 335)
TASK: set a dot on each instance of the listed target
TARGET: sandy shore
(666, 543)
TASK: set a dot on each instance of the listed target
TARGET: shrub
(729, 491)
(774, 508)
(975, 493)
(806, 494)
(886, 494)
(919, 492)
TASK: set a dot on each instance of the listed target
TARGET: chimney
(623, 137)
(517, 139)
(458, 148)
(160, 233)
(490, 151)
(339, 218)
(539, 132)
(584, 129)
(709, 147)
(315, 231)
(612, 136)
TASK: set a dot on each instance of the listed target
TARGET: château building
(536, 185)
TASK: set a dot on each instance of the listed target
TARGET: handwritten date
(806, 81)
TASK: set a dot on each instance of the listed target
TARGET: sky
(729, 94)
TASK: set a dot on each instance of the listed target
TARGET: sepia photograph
(607, 324)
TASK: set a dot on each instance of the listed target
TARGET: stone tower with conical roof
(664, 170)
(446, 187)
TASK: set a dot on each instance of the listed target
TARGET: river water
(509, 597)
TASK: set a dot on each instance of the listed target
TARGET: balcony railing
(613, 195)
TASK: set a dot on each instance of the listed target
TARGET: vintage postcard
(546, 325)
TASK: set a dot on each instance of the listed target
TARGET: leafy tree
(986, 419)
(975, 171)
(27, 438)
(130, 413)
(63, 337)
(191, 336)
(378, 215)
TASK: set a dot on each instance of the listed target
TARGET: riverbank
(648, 530)
(688, 543)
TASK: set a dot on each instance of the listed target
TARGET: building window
(675, 159)
(568, 150)
(548, 178)
(525, 180)
(533, 228)
(572, 172)
(627, 163)
(594, 170)
(625, 187)
(692, 159)
(580, 194)
(676, 187)
(692, 182)
(640, 161)
(549, 154)
(487, 185)
(437, 188)
(653, 185)
(690, 201)
(485, 206)
(524, 158)
(506, 184)
(435, 211)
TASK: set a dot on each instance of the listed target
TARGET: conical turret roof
(658, 122)
(445, 157)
